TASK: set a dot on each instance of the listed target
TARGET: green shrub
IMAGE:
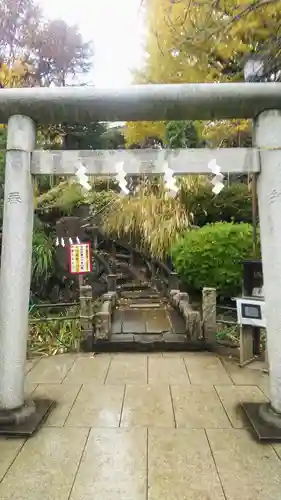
(210, 256)
(234, 204)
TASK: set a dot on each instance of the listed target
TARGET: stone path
(142, 427)
(146, 316)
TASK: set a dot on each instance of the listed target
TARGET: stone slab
(28, 427)
(147, 406)
(137, 305)
(180, 466)
(50, 370)
(64, 396)
(30, 363)
(277, 448)
(97, 406)
(157, 322)
(263, 430)
(116, 322)
(167, 371)
(247, 470)
(133, 322)
(88, 370)
(9, 449)
(245, 375)
(113, 466)
(208, 369)
(46, 466)
(232, 396)
(127, 369)
(177, 323)
(122, 338)
(198, 407)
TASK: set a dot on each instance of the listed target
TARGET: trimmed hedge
(211, 256)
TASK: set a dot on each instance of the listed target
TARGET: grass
(55, 336)
(48, 337)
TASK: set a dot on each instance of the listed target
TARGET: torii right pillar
(266, 418)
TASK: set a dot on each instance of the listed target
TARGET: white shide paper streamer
(218, 176)
(121, 177)
(82, 177)
(170, 181)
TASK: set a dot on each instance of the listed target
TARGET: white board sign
(251, 311)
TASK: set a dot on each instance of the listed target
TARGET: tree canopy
(207, 41)
(54, 49)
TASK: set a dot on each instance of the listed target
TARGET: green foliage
(68, 195)
(182, 134)
(113, 139)
(211, 256)
(43, 256)
(54, 336)
(80, 136)
(233, 204)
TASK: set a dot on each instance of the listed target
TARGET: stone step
(140, 294)
(135, 286)
(142, 300)
(145, 305)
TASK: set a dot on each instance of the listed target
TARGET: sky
(114, 26)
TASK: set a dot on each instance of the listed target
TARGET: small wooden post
(111, 283)
(86, 313)
(246, 345)
(209, 313)
(113, 252)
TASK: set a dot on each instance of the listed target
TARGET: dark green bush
(233, 204)
(210, 256)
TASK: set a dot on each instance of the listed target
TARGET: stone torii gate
(23, 108)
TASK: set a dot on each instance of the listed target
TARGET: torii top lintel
(200, 101)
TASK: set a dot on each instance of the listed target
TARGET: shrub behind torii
(211, 257)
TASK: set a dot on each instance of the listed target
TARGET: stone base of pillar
(25, 421)
(265, 422)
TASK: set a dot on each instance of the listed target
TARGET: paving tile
(264, 386)
(277, 448)
(88, 371)
(172, 354)
(198, 407)
(167, 371)
(147, 405)
(128, 369)
(64, 395)
(9, 448)
(157, 321)
(50, 370)
(97, 406)
(247, 469)
(113, 466)
(29, 388)
(233, 395)
(206, 369)
(45, 468)
(30, 363)
(180, 466)
(244, 376)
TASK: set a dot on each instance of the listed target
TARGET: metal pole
(16, 261)
(268, 139)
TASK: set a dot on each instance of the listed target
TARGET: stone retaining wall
(103, 325)
(180, 300)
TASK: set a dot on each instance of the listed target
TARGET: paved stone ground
(142, 427)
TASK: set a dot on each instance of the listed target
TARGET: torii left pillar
(17, 416)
